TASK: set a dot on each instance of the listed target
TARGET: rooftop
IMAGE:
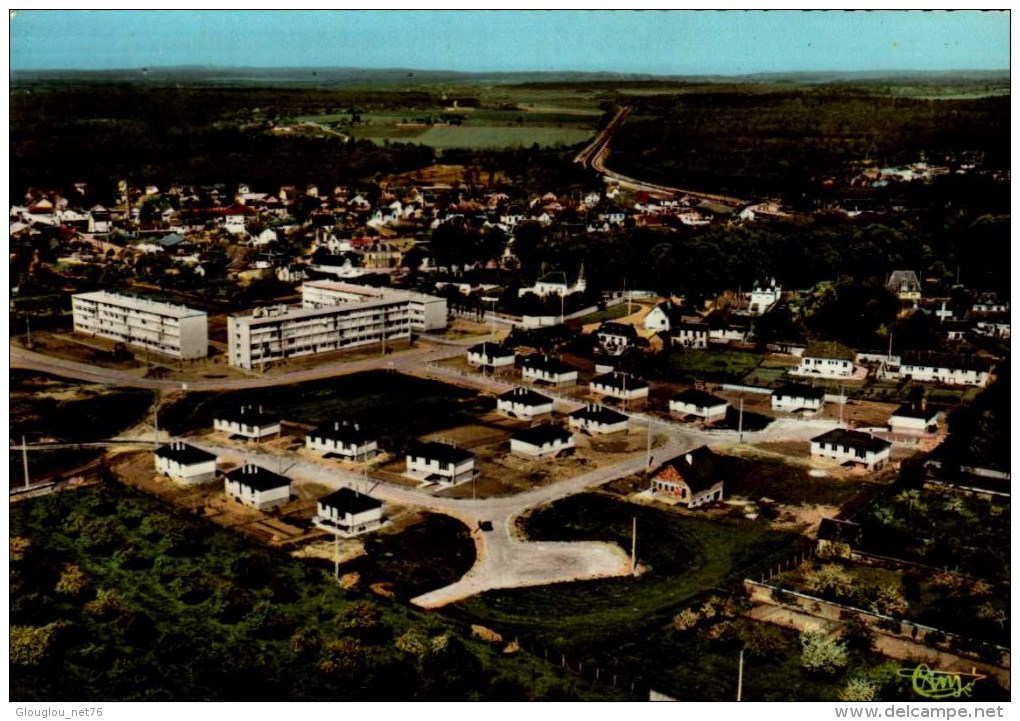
(854, 439)
(171, 310)
(525, 396)
(440, 452)
(695, 397)
(829, 349)
(257, 478)
(798, 390)
(184, 453)
(598, 414)
(697, 468)
(347, 500)
(539, 435)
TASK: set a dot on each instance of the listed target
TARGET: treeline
(100, 135)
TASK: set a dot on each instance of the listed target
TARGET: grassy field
(399, 406)
(684, 557)
(116, 597)
(717, 366)
(502, 137)
(755, 478)
(617, 311)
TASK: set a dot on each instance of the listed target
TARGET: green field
(617, 311)
(399, 406)
(717, 366)
(114, 596)
(495, 137)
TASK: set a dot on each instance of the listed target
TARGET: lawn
(717, 366)
(683, 557)
(117, 597)
(617, 311)
(755, 478)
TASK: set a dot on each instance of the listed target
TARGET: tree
(73, 580)
(822, 655)
(858, 689)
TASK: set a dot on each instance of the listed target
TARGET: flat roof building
(426, 312)
(166, 328)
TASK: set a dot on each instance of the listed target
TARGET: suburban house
(247, 421)
(523, 403)
(828, 360)
(905, 285)
(550, 286)
(256, 486)
(440, 463)
(616, 338)
(763, 298)
(348, 513)
(345, 439)
(666, 316)
(598, 419)
(692, 479)
(693, 402)
(541, 441)
(691, 334)
(914, 418)
(619, 385)
(727, 327)
(798, 398)
(186, 463)
(539, 368)
(852, 447)
(948, 368)
(490, 355)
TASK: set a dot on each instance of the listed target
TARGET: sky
(649, 41)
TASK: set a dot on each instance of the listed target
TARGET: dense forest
(790, 142)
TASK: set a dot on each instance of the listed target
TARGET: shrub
(821, 655)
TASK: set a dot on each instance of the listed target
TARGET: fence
(746, 389)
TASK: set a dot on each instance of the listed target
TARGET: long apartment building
(426, 312)
(268, 335)
(173, 330)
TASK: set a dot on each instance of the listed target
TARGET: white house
(186, 463)
(440, 463)
(539, 368)
(616, 338)
(597, 419)
(348, 513)
(541, 441)
(798, 398)
(946, 368)
(763, 298)
(548, 286)
(692, 479)
(851, 447)
(910, 418)
(693, 402)
(247, 421)
(663, 317)
(523, 403)
(490, 355)
(905, 285)
(345, 439)
(828, 360)
(691, 334)
(619, 385)
(256, 486)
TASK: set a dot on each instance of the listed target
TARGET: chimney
(689, 458)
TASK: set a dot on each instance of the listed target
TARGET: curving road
(594, 156)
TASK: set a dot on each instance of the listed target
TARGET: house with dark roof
(828, 360)
(619, 385)
(523, 403)
(185, 463)
(247, 421)
(598, 419)
(798, 398)
(542, 369)
(914, 418)
(692, 479)
(257, 486)
(851, 447)
(344, 439)
(616, 338)
(348, 513)
(905, 285)
(948, 368)
(440, 463)
(541, 441)
(490, 355)
(694, 402)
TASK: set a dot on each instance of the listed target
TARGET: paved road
(595, 154)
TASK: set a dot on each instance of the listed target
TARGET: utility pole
(336, 556)
(28, 329)
(740, 676)
(842, 402)
(24, 460)
(740, 421)
(155, 422)
(648, 451)
(633, 548)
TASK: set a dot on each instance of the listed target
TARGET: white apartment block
(274, 334)
(427, 312)
(173, 330)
